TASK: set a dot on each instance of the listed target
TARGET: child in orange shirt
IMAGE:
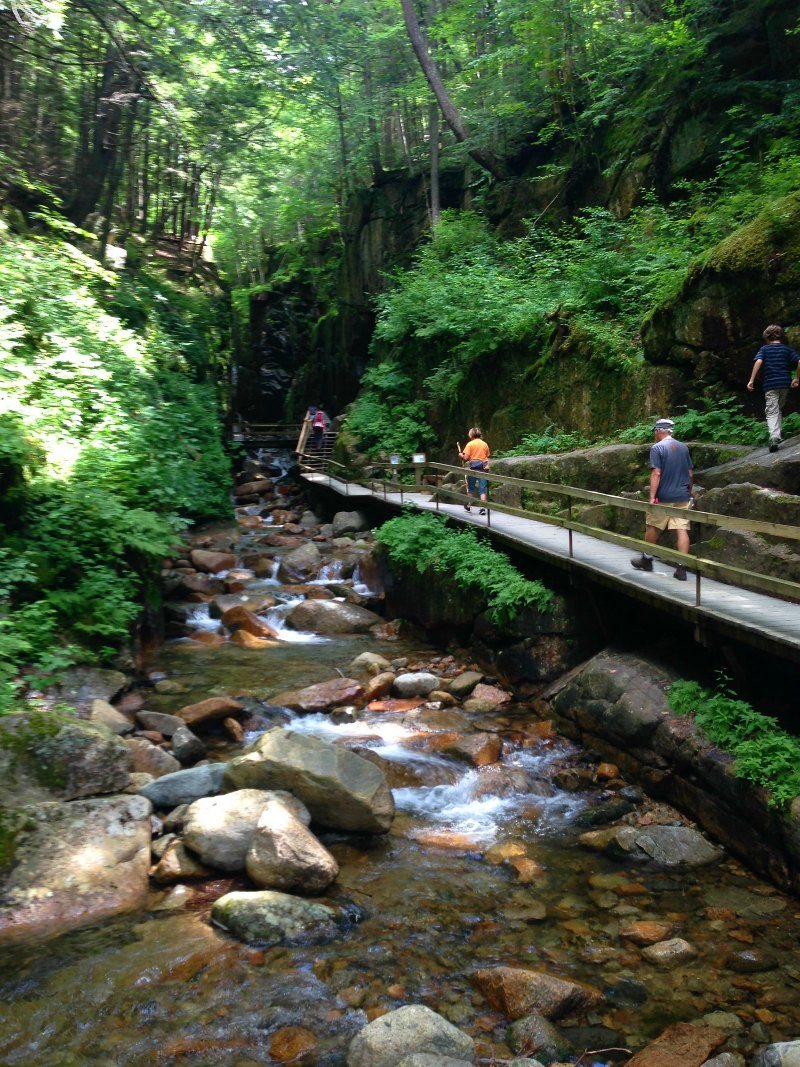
(476, 453)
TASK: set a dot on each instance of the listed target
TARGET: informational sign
(419, 457)
(394, 459)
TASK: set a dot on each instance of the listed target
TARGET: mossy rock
(50, 753)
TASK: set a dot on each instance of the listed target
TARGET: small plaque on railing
(394, 459)
(419, 457)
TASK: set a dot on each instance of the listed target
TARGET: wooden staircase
(314, 458)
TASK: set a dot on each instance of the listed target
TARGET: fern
(423, 542)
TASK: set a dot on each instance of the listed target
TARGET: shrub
(764, 753)
(422, 541)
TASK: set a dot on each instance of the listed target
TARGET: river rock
(369, 663)
(728, 1059)
(255, 603)
(668, 846)
(82, 760)
(176, 864)
(219, 829)
(380, 685)
(669, 953)
(196, 587)
(300, 564)
(284, 854)
(156, 720)
(104, 714)
(750, 960)
(478, 749)
(410, 1030)
(186, 786)
(210, 710)
(186, 746)
(535, 1035)
(248, 640)
(322, 696)
(83, 685)
(269, 918)
(212, 562)
(255, 488)
(516, 991)
(486, 698)
(781, 1054)
(76, 864)
(151, 759)
(416, 684)
(646, 932)
(341, 790)
(680, 1045)
(331, 617)
(241, 618)
(462, 685)
(431, 1059)
(349, 522)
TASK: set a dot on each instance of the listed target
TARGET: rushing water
(443, 894)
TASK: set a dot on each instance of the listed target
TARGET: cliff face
(712, 330)
(311, 331)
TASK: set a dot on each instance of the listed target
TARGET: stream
(482, 867)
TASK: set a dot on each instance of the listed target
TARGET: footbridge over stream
(721, 603)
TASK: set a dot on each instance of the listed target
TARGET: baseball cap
(664, 424)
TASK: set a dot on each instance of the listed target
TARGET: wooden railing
(266, 431)
(778, 587)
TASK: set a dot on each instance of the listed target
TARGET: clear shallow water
(432, 901)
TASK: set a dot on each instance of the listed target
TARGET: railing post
(401, 494)
(570, 543)
(697, 589)
(488, 516)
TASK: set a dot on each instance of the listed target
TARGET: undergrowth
(763, 752)
(422, 542)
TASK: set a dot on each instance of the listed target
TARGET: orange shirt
(476, 449)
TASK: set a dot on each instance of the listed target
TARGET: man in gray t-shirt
(671, 479)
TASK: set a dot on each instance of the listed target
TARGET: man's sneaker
(467, 507)
(773, 446)
(482, 511)
(642, 563)
(680, 573)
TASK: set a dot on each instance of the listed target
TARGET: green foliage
(764, 753)
(385, 418)
(715, 419)
(113, 445)
(422, 541)
(550, 440)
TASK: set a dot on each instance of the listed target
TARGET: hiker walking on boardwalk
(671, 479)
(777, 359)
(476, 455)
(319, 424)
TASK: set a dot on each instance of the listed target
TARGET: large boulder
(219, 829)
(76, 864)
(83, 685)
(332, 617)
(300, 564)
(83, 760)
(150, 759)
(269, 918)
(349, 522)
(284, 854)
(340, 789)
(389, 1039)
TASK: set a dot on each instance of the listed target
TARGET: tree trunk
(432, 76)
(433, 140)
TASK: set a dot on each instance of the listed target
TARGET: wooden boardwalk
(726, 610)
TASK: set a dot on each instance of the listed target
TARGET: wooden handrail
(710, 568)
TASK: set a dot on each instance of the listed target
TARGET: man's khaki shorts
(665, 520)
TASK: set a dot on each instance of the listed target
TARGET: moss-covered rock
(713, 326)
